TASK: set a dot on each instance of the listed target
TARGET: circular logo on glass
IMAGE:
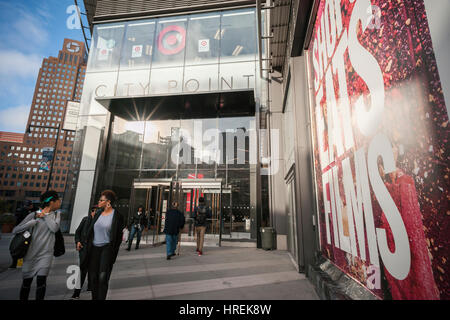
(172, 40)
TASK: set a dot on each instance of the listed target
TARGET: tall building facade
(22, 173)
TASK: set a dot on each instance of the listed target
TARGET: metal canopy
(148, 183)
(236, 103)
(201, 183)
(204, 184)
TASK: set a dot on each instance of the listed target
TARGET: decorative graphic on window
(203, 45)
(172, 40)
(136, 51)
(105, 48)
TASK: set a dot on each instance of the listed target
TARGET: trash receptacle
(268, 238)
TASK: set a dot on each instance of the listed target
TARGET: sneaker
(173, 254)
(76, 295)
(168, 257)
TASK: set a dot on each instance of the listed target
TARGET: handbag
(59, 249)
(20, 243)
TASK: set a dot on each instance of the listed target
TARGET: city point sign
(190, 85)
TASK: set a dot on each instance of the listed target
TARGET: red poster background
(416, 121)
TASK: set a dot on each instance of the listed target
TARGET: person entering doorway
(200, 216)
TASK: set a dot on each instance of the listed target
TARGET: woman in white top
(104, 238)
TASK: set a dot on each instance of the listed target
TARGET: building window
(106, 47)
(203, 39)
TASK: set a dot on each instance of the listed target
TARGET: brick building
(60, 80)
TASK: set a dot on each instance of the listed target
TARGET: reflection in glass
(238, 34)
(105, 51)
(203, 39)
(170, 42)
(138, 44)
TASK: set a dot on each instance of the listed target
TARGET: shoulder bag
(20, 243)
(59, 249)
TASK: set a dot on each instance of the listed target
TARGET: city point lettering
(190, 85)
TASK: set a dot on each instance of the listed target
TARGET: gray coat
(39, 257)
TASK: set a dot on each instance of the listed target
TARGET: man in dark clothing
(137, 224)
(20, 215)
(80, 242)
(201, 215)
(174, 222)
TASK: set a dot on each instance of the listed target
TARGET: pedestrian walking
(104, 237)
(172, 226)
(137, 224)
(201, 215)
(80, 243)
(42, 224)
(21, 214)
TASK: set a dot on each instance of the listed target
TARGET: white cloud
(14, 119)
(17, 64)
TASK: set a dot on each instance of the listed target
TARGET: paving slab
(222, 273)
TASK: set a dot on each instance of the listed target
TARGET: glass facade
(212, 148)
(192, 53)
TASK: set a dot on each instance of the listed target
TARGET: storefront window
(170, 42)
(203, 40)
(238, 34)
(106, 48)
(138, 45)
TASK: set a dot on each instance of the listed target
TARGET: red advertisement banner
(381, 151)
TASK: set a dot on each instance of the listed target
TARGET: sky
(30, 30)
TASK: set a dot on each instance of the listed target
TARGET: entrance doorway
(157, 196)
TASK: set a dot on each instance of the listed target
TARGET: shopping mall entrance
(180, 148)
(157, 195)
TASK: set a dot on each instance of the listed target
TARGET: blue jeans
(171, 242)
(133, 231)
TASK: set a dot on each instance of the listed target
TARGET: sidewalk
(222, 273)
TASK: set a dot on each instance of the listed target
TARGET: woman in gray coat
(43, 224)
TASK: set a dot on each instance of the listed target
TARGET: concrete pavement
(222, 273)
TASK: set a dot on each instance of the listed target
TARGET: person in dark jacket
(80, 243)
(20, 215)
(104, 237)
(137, 224)
(174, 222)
(201, 215)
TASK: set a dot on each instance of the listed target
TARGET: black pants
(40, 288)
(84, 272)
(99, 271)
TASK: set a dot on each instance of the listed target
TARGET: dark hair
(94, 208)
(201, 199)
(48, 196)
(141, 207)
(110, 195)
